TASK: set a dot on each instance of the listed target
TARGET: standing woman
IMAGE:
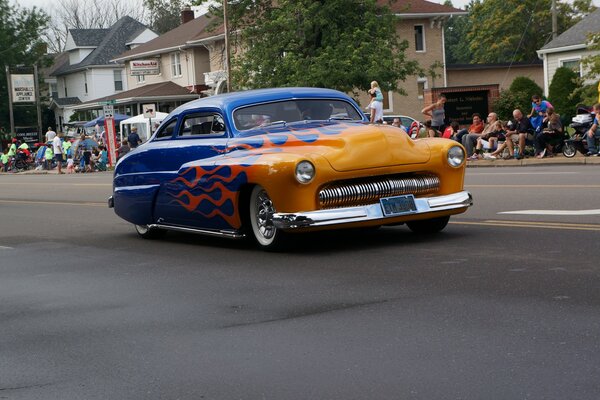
(437, 113)
(376, 104)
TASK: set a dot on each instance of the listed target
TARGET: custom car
(267, 163)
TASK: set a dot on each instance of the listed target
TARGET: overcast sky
(46, 3)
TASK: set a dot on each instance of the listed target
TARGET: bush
(506, 103)
(518, 96)
(565, 92)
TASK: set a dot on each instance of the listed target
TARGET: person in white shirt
(50, 135)
(58, 152)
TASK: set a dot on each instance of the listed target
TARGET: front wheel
(569, 150)
(428, 226)
(266, 235)
(149, 233)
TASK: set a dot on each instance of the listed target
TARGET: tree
(85, 14)
(564, 92)
(458, 50)
(592, 63)
(340, 44)
(20, 44)
(165, 15)
(508, 30)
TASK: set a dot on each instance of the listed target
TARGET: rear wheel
(149, 233)
(569, 149)
(261, 208)
(428, 226)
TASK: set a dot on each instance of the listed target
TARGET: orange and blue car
(264, 163)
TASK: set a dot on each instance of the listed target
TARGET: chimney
(187, 14)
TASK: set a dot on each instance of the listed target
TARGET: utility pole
(38, 102)
(227, 52)
(10, 102)
(554, 21)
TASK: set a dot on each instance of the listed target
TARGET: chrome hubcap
(264, 215)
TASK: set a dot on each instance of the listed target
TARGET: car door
(189, 199)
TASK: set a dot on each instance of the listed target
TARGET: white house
(569, 48)
(88, 73)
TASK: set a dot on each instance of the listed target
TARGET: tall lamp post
(227, 52)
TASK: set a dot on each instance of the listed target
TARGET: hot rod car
(263, 163)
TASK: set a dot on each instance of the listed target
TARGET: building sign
(23, 88)
(461, 106)
(144, 67)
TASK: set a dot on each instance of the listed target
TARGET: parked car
(264, 163)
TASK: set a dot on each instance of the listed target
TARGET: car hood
(346, 146)
(373, 146)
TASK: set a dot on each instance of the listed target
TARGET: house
(191, 56)
(421, 23)
(85, 72)
(569, 48)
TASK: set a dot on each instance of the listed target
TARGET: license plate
(398, 205)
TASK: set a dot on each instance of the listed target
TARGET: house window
(176, 64)
(575, 65)
(419, 38)
(118, 79)
(65, 85)
(85, 85)
(140, 78)
(54, 90)
(421, 86)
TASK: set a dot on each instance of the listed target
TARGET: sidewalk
(558, 159)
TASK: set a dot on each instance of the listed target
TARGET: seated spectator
(594, 133)
(500, 140)
(123, 149)
(519, 131)
(451, 131)
(476, 127)
(430, 132)
(551, 128)
(470, 140)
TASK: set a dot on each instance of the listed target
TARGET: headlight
(456, 156)
(305, 172)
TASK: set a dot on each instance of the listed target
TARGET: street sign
(149, 110)
(109, 111)
(107, 102)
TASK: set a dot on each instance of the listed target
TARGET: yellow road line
(525, 224)
(61, 203)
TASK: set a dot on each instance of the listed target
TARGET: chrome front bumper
(346, 215)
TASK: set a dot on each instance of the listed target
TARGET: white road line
(6, 248)
(523, 173)
(552, 212)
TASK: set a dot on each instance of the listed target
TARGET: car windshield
(290, 111)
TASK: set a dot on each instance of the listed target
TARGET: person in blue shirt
(539, 108)
(594, 133)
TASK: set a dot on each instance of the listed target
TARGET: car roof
(230, 101)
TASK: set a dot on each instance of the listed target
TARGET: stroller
(582, 123)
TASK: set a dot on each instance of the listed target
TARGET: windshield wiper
(282, 122)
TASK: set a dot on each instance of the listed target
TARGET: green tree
(592, 63)
(20, 45)
(564, 92)
(456, 29)
(511, 30)
(340, 44)
(165, 15)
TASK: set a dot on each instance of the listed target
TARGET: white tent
(142, 124)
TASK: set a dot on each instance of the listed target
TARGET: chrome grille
(368, 191)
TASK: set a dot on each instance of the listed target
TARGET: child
(48, 156)
(4, 160)
(70, 165)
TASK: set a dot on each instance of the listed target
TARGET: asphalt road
(498, 306)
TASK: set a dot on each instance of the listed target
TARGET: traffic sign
(149, 110)
(107, 102)
(109, 111)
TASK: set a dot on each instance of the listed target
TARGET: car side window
(202, 125)
(167, 130)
